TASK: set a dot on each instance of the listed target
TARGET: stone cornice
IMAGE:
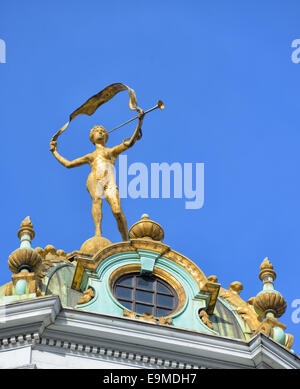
(267, 351)
(36, 313)
(46, 324)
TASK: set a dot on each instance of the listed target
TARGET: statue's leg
(95, 189)
(97, 215)
(113, 198)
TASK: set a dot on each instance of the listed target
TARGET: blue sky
(231, 91)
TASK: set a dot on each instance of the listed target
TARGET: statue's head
(98, 134)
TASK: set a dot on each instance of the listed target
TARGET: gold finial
(146, 229)
(268, 302)
(266, 269)
(25, 258)
(26, 227)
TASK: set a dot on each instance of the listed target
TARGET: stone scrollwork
(165, 320)
(205, 319)
(148, 317)
(129, 314)
(87, 296)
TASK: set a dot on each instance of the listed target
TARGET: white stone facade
(40, 333)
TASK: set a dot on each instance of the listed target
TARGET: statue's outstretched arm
(129, 142)
(65, 162)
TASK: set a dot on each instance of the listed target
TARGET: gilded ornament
(129, 314)
(94, 244)
(212, 279)
(50, 257)
(289, 340)
(205, 318)
(213, 289)
(40, 251)
(165, 320)
(26, 227)
(61, 253)
(50, 249)
(266, 269)
(267, 325)
(245, 310)
(24, 259)
(273, 328)
(236, 287)
(147, 317)
(87, 296)
(146, 229)
(269, 302)
(8, 289)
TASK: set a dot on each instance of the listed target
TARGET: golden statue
(101, 181)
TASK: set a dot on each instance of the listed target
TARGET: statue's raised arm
(129, 142)
(65, 162)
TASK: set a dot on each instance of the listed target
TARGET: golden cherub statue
(101, 182)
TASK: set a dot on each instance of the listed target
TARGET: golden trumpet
(159, 105)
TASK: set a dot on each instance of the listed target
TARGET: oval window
(141, 294)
